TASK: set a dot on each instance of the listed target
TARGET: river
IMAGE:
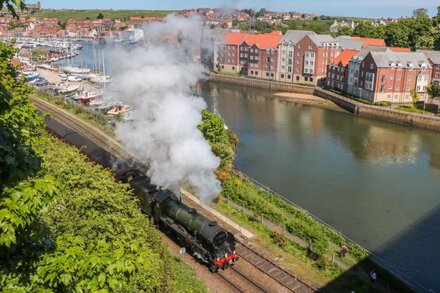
(376, 182)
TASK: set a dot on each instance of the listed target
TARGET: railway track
(237, 280)
(240, 282)
(268, 267)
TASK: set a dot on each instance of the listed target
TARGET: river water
(376, 182)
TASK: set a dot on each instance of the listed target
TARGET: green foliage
(10, 6)
(20, 206)
(433, 90)
(100, 16)
(345, 31)
(282, 213)
(19, 124)
(383, 104)
(415, 96)
(101, 240)
(368, 30)
(91, 14)
(222, 141)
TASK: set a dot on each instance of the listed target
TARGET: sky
(357, 8)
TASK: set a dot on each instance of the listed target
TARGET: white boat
(73, 69)
(69, 89)
(74, 78)
(101, 79)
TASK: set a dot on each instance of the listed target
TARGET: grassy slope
(92, 14)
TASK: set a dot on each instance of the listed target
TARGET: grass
(412, 109)
(92, 14)
(94, 118)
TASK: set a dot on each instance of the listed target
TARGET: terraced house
(313, 53)
(434, 60)
(391, 76)
(286, 49)
(259, 55)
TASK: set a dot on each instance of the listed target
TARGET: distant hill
(92, 14)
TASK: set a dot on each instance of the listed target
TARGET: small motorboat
(87, 97)
(119, 109)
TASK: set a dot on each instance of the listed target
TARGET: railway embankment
(350, 105)
(312, 251)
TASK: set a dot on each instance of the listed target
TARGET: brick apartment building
(390, 76)
(337, 71)
(312, 55)
(259, 55)
(434, 60)
(286, 49)
(228, 52)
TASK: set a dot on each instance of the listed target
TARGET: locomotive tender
(204, 239)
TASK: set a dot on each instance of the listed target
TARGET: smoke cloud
(156, 80)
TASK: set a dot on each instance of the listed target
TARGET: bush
(383, 104)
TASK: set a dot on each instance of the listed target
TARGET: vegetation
(10, 6)
(65, 224)
(418, 32)
(433, 90)
(92, 14)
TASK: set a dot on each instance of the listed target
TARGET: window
(252, 72)
(307, 62)
(311, 70)
(310, 47)
(382, 88)
(233, 67)
(398, 77)
(397, 87)
(306, 70)
(283, 67)
(256, 50)
(289, 68)
(267, 74)
(283, 59)
(288, 76)
(271, 74)
(312, 54)
(223, 67)
(311, 79)
(307, 54)
(299, 46)
(306, 78)
(297, 61)
(372, 66)
(297, 77)
(282, 75)
(290, 54)
(311, 62)
(252, 50)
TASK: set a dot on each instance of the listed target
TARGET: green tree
(397, 35)
(420, 12)
(415, 96)
(368, 30)
(433, 90)
(345, 31)
(100, 16)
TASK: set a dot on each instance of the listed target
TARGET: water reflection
(370, 179)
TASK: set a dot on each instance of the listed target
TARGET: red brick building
(434, 60)
(390, 76)
(228, 52)
(259, 55)
(337, 71)
(312, 55)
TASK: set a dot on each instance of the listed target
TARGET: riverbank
(352, 106)
(329, 274)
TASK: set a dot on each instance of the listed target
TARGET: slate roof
(294, 36)
(319, 40)
(434, 56)
(388, 58)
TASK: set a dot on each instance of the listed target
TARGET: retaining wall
(357, 108)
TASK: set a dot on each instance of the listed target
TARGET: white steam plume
(156, 80)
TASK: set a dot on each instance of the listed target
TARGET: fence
(374, 257)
